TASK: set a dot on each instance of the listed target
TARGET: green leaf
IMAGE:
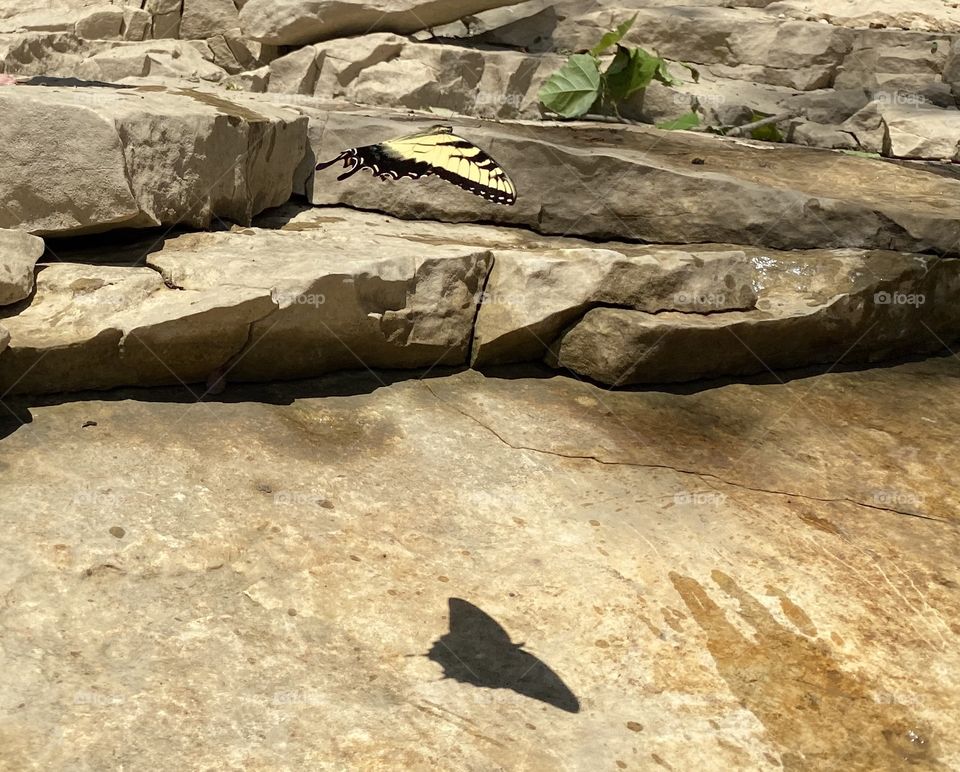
(631, 70)
(768, 133)
(613, 37)
(662, 73)
(573, 88)
(683, 123)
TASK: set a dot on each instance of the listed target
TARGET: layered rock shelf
(315, 290)
(651, 467)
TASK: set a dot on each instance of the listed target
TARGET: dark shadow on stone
(12, 416)
(50, 80)
(525, 370)
(478, 651)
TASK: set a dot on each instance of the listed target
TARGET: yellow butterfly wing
(438, 152)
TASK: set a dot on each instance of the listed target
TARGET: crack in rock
(678, 470)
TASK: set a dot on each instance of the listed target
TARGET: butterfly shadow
(478, 651)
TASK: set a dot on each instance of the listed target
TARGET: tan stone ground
(742, 576)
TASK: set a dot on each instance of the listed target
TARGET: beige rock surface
(700, 570)
(253, 305)
(19, 253)
(925, 15)
(635, 183)
(532, 296)
(822, 309)
(141, 157)
(921, 132)
(312, 291)
(297, 22)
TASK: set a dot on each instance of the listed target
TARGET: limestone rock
(854, 308)
(167, 25)
(137, 23)
(389, 70)
(296, 22)
(525, 25)
(531, 296)
(41, 53)
(19, 253)
(203, 19)
(4, 338)
(156, 59)
(867, 127)
(295, 73)
(129, 323)
(647, 185)
(100, 22)
(927, 15)
(819, 135)
(951, 69)
(905, 74)
(239, 299)
(300, 543)
(383, 301)
(921, 132)
(141, 157)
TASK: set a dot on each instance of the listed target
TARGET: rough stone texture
(928, 15)
(813, 309)
(205, 18)
(295, 73)
(532, 296)
(822, 64)
(153, 59)
(4, 338)
(102, 326)
(100, 23)
(141, 157)
(19, 253)
(819, 135)
(643, 184)
(311, 291)
(921, 132)
(256, 305)
(296, 22)
(389, 70)
(698, 569)
(137, 23)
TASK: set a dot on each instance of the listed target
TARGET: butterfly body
(437, 152)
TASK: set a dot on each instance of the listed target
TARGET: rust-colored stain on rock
(823, 717)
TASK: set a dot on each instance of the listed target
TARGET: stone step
(311, 291)
(141, 157)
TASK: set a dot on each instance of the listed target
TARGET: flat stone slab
(316, 290)
(751, 574)
(643, 184)
(140, 157)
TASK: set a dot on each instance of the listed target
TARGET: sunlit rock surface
(98, 158)
(761, 576)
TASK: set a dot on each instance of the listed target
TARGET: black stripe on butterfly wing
(382, 164)
(503, 191)
(386, 161)
(485, 162)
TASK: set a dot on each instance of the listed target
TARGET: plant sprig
(581, 87)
